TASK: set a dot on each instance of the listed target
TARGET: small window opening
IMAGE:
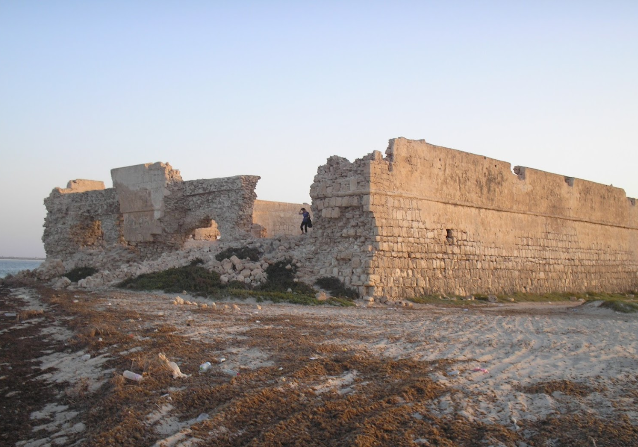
(449, 236)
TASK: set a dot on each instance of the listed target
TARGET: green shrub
(199, 281)
(79, 273)
(336, 287)
(242, 253)
(197, 261)
(280, 279)
(238, 285)
(191, 278)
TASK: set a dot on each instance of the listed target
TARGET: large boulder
(49, 269)
(61, 283)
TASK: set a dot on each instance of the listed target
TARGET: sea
(13, 266)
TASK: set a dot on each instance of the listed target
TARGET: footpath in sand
(499, 375)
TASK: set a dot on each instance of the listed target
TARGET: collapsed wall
(427, 219)
(149, 211)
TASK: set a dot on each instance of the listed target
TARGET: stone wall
(420, 220)
(427, 219)
(149, 211)
(278, 218)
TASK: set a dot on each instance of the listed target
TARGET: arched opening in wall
(209, 233)
(449, 236)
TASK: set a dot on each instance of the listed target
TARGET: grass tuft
(281, 278)
(620, 306)
(336, 287)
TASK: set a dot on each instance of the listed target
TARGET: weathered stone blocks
(477, 226)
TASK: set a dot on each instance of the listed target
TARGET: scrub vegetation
(336, 287)
(196, 280)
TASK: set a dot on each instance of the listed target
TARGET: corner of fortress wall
(345, 228)
(425, 219)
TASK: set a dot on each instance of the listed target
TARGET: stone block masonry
(426, 219)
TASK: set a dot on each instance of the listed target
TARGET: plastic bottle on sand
(205, 367)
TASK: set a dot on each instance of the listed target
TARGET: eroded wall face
(141, 190)
(343, 224)
(88, 220)
(452, 222)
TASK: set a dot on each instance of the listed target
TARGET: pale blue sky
(273, 88)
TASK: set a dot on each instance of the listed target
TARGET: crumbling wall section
(228, 201)
(75, 221)
(344, 227)
(149, 211)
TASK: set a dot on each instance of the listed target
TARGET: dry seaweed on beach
(296, 375)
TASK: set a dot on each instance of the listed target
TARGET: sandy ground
(498, 374)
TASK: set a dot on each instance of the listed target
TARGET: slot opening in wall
(449, 236)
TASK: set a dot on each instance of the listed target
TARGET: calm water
(13, 266)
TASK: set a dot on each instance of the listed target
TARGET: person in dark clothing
(306, 220)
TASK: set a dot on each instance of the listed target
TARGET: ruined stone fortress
(421, 219)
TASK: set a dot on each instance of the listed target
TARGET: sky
(274, 88)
